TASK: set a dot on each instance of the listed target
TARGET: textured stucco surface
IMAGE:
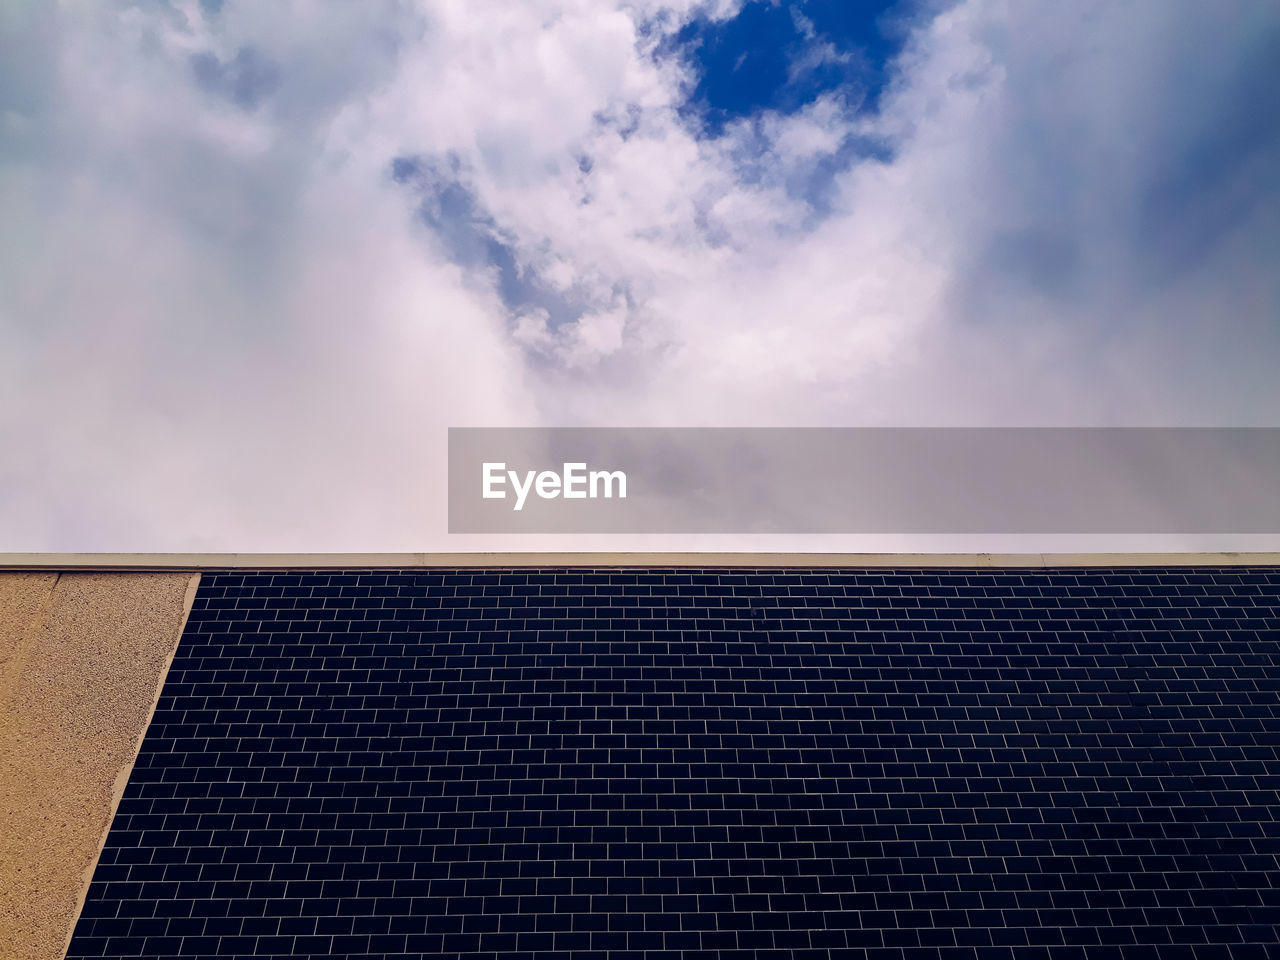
(82, 659)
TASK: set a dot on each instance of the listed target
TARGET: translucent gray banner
(864, 480)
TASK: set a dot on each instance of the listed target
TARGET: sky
(257, 258)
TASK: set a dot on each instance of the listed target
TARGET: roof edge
(335, 561)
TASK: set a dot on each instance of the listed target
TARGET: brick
(707, 763)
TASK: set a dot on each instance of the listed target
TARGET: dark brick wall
(818, 763)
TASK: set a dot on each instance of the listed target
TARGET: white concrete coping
(402, 561)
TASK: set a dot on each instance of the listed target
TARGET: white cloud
(223, 326)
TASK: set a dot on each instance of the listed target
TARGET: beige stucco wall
(82, 660)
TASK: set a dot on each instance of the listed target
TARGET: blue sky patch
(783, 55)
(246, 80)
(472, 239)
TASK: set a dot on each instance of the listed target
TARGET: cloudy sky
(256, 258)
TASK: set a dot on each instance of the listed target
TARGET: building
(698, 756)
